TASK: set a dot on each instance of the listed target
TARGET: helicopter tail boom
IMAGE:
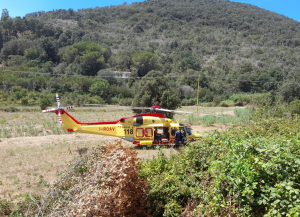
(101, 128)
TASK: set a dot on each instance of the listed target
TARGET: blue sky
(288, 8)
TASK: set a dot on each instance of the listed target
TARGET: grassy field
(214, 115)
(34, 149)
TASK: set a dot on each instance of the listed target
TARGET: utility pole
(198, 93)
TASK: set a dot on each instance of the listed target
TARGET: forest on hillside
(235, 48)
(240, 54)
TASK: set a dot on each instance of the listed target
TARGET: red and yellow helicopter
(143, 129)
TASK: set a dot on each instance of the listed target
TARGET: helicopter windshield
(188, 130)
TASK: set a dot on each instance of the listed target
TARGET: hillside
(233, 42)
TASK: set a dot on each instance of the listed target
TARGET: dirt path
(203, 130)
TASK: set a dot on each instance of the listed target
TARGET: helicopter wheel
(144, 148)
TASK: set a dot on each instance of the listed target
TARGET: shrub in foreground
(249, 171)
(102, 183)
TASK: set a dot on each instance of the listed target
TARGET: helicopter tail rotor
(58, 109)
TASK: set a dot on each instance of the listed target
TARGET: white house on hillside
(121, 74)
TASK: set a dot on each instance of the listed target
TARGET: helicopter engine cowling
(138, 121)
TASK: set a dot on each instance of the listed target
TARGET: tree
(122, 61)
(16, 47)
(1, 37)
(190, 63)
(244, 84)
(81, 84)
(7, 23)
(18, 26)
(90, 56)
(161, 91)
(31, 53)
(100, 88)
(246, 67)
(5, 14)
(92, 62)
(32, 24)
(144, 62)
(44, 101)
(49, 47)
(290, 92)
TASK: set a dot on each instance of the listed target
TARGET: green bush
(252, 99)
(224, 104)
(191, 101)
(248, 171)
(95, 100)
(295, 107)
(216, 100)
(126, 101)
(44, 102)
(10, 109)
(24, 101)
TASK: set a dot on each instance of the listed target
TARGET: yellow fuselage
(139, 129)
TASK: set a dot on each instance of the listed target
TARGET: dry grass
(26, 162)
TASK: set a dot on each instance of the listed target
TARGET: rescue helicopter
(144, 130)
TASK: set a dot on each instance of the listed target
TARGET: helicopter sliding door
(162, 134)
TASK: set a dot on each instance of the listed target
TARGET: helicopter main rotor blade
(207, 115)
(172, 111)
(68, 107)
(149, 108)
(57, 100)
(184, 112)
(153, 108)
(103, 105)
(120, 106)
(49, 110)
(59, 117)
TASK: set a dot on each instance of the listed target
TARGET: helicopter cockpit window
(148, 132)
(139, 132)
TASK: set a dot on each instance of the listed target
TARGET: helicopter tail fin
(70, 123)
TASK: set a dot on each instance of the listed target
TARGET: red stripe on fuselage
(156, 115)
(90, 123)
